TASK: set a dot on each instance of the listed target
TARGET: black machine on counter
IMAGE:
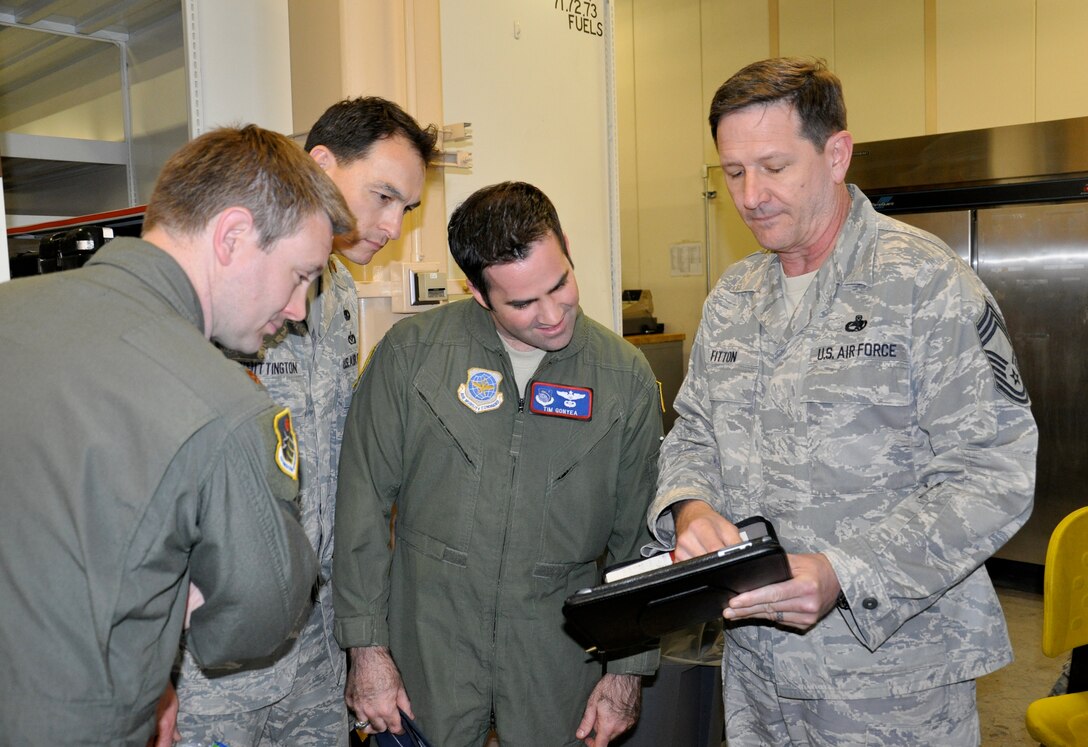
(68, 243)
(1013, 203)
(638, 313)
(64, 250)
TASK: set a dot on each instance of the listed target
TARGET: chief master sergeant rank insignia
(998, 348)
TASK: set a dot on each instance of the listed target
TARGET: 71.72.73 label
(582, 16)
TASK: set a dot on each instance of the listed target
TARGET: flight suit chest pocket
(443, 464)
(580, 482)
(732, 396)
(443, 421)
(859, 425)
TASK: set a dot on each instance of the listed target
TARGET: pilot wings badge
(561, 401)
(480, 392)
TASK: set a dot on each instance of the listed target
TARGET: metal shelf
(87, 17)
(66, 109)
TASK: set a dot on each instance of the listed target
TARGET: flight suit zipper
(515, 453)
(515, 446)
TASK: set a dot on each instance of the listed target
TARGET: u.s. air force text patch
(480, 392)
(286, 444)
(561, 401)
(995, 343)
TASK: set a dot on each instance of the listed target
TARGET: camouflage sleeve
(689, 463)
(976, 488)
(368, 483)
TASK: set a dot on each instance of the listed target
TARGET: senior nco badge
(286, 444)
(480, 392)
(998, 348)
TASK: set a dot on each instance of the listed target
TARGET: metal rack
(59, 59)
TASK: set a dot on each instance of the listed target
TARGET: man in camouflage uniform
(855, 385)
(376, 154)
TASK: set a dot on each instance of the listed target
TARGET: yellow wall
(1060, 88)
(388, 48)
(985, 63)
(908, 67)
(880, 57)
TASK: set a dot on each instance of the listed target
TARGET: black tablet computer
(639, 609)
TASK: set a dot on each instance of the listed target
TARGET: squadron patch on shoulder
(362, 369)
(480, 392)
(998, 348)
(286, 444)
(561, 401)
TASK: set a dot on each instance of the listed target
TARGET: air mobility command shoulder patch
(286, 444)
(480, 392)
(998, 348)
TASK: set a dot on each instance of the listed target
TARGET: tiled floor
(1003, 696)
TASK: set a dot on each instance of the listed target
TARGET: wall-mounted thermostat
(417, 286)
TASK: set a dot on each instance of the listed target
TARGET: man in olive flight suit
(517, 440)
(144, 462)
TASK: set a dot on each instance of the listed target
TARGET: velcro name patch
(561, 401)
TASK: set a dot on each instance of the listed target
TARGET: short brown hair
(805, 83)
(249, 167)
(350, 128)
(497, 225)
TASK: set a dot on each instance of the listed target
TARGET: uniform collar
(322, 303)
(324, 308)
(851, 262)
(482, 328)
(157, 271)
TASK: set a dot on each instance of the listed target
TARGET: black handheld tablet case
(637, 610)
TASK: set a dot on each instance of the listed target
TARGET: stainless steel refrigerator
(1013, 202)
